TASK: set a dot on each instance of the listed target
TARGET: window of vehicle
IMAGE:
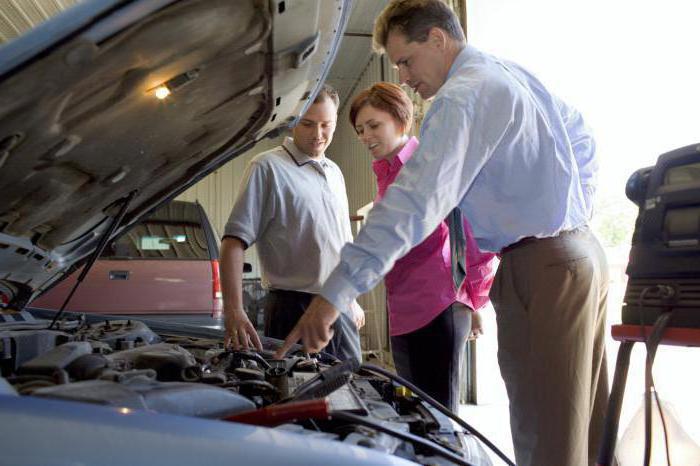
(172, 232)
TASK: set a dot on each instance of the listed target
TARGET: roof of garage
(356, 48)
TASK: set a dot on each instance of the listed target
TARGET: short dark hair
(327, 92)
(414, 19)
(387, 97)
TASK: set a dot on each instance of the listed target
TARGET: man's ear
(437, 38)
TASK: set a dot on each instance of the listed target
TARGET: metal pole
(461, 10)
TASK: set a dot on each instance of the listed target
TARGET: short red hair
(387, 97)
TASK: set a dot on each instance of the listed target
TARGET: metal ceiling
(18, 16)
(356, 48)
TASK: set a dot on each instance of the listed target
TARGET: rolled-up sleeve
(454, 147)
(583, 147)
(250, 213)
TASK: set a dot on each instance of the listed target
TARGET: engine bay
(126, 364)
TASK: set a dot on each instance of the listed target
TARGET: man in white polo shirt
(294, 205)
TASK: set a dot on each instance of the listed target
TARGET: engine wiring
(406, 436)
(435, 404)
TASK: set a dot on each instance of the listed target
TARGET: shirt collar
(466, 54)
(299, 157)
(384, 166)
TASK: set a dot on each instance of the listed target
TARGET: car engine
(124, 363)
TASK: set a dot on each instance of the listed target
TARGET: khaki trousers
(550, 297)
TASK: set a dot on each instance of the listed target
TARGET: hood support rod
(100, 246)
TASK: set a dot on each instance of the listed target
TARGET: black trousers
(284, 308)
(429, 357)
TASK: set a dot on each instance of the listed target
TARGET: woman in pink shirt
(429, 319)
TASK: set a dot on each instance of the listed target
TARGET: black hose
(667, 296)
(652, 344)
(435, 404)
(405, 436)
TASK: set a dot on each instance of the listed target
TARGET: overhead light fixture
(162, 91)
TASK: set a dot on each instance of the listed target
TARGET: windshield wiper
(100, 246)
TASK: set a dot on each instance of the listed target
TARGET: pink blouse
(420, 285)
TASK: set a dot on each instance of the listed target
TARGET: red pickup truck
(166, 267)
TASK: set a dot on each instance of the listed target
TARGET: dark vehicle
(106, 112)
(166, 266)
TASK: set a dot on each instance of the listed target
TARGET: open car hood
(81, 126)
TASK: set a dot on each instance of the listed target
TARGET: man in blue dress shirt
(520, 164)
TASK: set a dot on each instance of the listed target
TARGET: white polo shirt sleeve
(252, 210)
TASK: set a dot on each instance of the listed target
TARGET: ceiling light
(162, 92)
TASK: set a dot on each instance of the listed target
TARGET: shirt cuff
(245, 243)
(240, 233)
(339, 291)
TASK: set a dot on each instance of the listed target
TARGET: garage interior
(359, 69)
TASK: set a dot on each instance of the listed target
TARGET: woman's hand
(358, 315)
(477, 329)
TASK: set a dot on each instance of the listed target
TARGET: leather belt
(532, 239)
(292, 293)
(518, 244)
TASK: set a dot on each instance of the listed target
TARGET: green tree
(613, 220)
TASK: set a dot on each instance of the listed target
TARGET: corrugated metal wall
(19, 16)
(217, 193)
